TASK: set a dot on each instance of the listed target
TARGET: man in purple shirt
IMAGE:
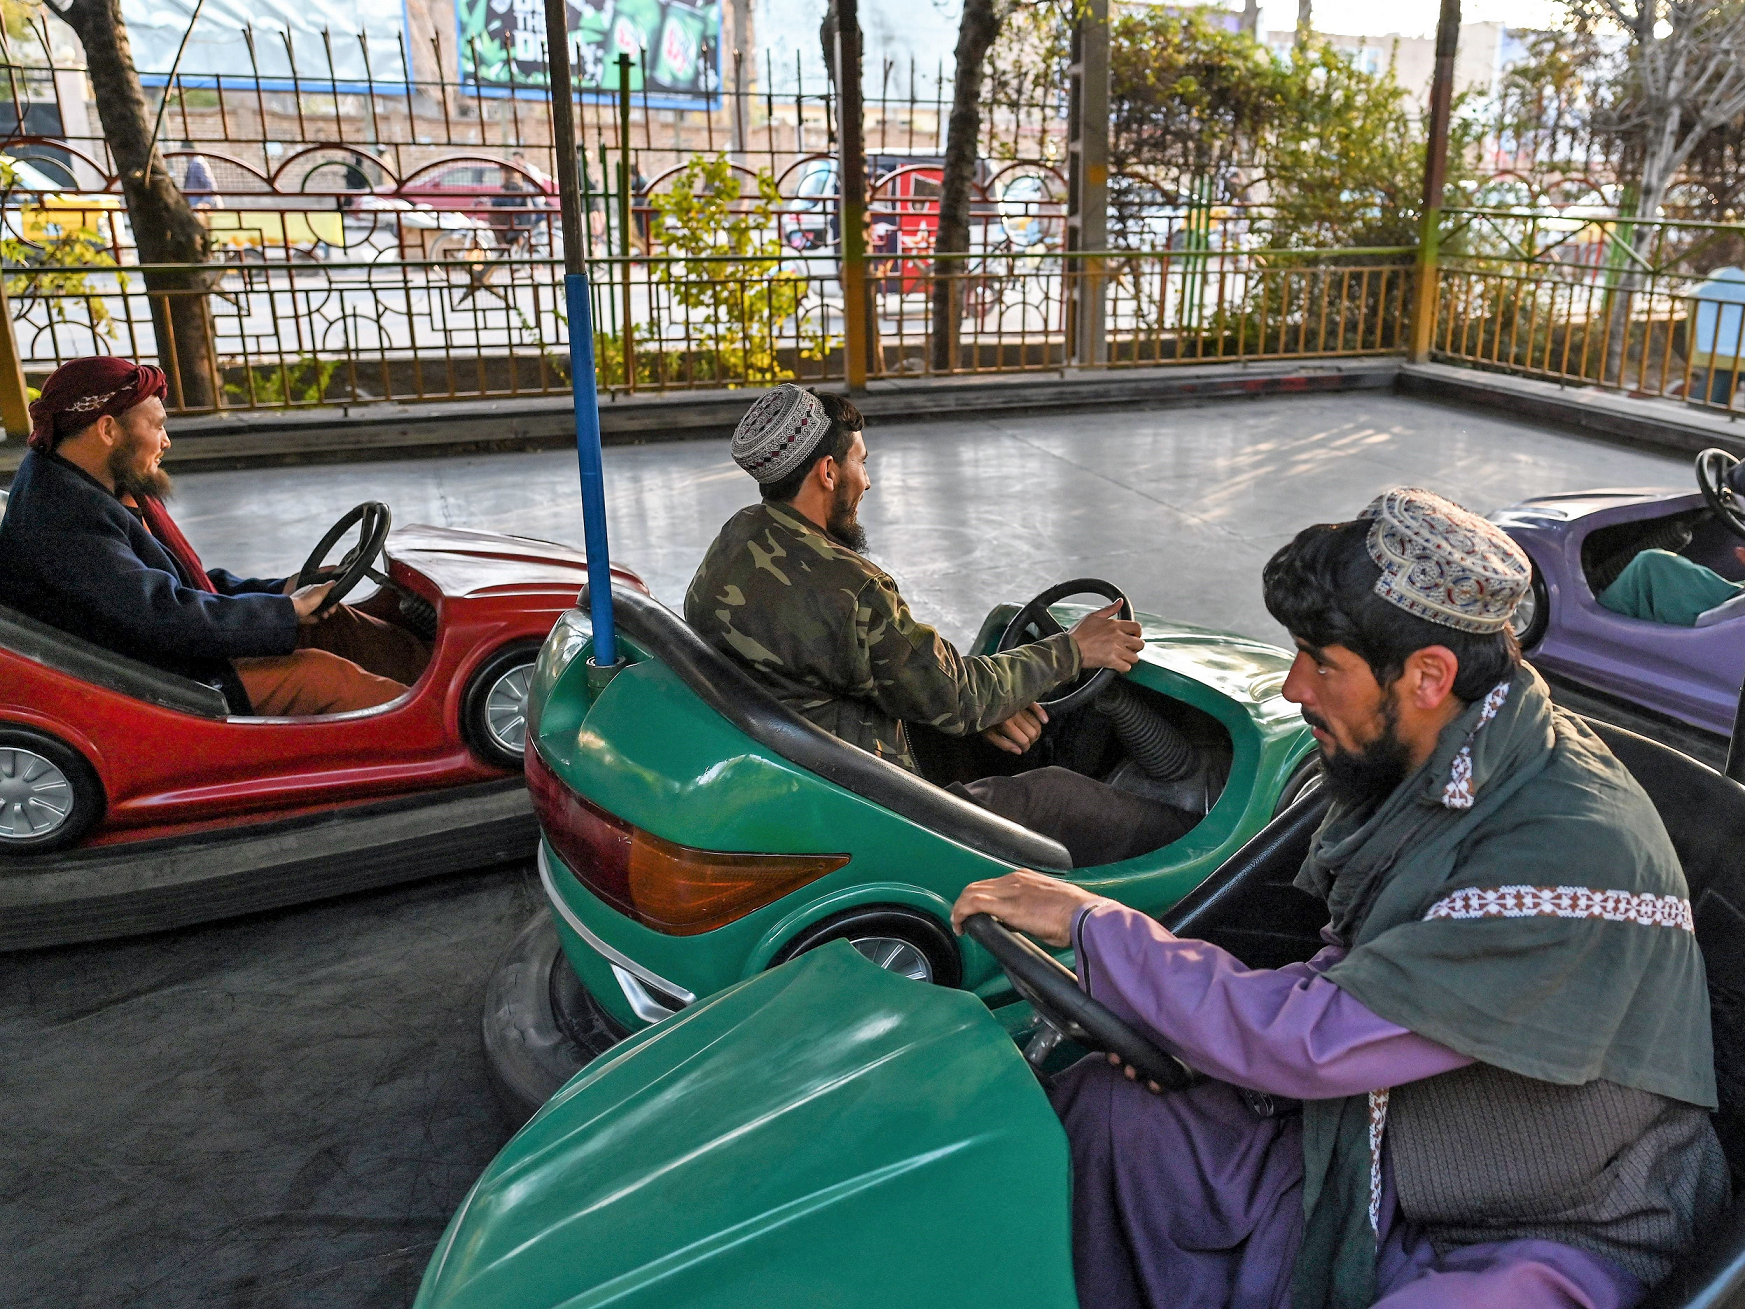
(1502, 1057)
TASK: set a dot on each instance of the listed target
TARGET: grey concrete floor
(1181, 507)
(284, 1110)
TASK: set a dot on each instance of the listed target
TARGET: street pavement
(283, 1111)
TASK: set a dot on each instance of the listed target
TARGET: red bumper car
(133, 800)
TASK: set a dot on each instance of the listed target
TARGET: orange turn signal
(682, 891)
(672, 888)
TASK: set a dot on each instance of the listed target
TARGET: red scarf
(159, 523)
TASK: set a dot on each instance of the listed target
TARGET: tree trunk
(1662, 154)
(165, 229)
(1618, 313)
(1251, 18)
(1305, 22)
(1689, 81)
(827, 43)
(975, 33)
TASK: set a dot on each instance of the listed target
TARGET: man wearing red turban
(87, 546)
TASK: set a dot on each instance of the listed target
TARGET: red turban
(81, 391)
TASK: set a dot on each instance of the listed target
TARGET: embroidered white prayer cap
(778, 432)
(1444, 563)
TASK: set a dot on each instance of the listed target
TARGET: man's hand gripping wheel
(1067, 1013)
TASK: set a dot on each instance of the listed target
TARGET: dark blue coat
(75, 557)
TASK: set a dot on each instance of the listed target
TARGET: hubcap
(895, 955)
(1525, 612)
(35, 797)
(506, 709)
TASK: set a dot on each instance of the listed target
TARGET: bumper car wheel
(904, 941)
(494, 711)
(1533, 615)
(49, 796)
(540, 1025)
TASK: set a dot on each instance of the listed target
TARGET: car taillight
(672, 888)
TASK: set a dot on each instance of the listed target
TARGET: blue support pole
(588, 460)
(583, 385)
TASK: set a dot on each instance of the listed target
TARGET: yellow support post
(1087, 222)
(850, 139)
(1435, 179)
(14, 399)
(626, 221)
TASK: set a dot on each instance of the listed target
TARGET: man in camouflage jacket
(785, 590)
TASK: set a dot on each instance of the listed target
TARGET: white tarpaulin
(218, 45)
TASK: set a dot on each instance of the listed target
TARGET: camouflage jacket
(827, 632)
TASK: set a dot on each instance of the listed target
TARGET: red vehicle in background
(1014, 208)
(902, 204)
(903, 213)
(512, 198)
(132, 799)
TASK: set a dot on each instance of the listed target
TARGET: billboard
(315, 40)
(676, 44)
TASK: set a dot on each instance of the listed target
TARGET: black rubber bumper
(540, 1026)
(92, 894)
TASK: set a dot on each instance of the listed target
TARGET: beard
(844, 524)
(131, 478)
(1359, 778)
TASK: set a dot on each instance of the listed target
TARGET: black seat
(1250, 908)
(729, 691)
(77, 657)
(1704, 814)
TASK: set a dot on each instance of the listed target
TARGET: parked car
(507, 198)
(903, 216)
(902, 208)
(1032, 216)
(132, 799)
(39, 209)
(1580, 542)
(808, 219)
(825, 1132)
(736, 835)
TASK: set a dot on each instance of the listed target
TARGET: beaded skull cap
(778, 432)
(1444, 563)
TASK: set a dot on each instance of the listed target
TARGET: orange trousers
(345, 660)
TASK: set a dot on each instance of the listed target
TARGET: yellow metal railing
(281, 332)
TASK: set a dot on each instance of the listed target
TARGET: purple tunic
(1191, 1200)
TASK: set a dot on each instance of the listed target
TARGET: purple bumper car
(1581, 542)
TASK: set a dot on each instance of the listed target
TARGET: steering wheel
(1714, 467)
(1089, 685)
(359, 561)
(1068, 1012)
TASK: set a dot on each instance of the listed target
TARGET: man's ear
(826, 471)
(109, 430)
(1429, 675)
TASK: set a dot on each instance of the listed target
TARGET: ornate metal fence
(1583, 297)
(290, 333)
(395, 240)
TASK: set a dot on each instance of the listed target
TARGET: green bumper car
(826, 1132)
(696, 832)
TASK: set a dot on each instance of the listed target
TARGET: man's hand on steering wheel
(1105, 641)
(1115, 1061)
(1019, 732)
(325, 573)
(309, 601)
(1044, 907)
(1025, 902)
